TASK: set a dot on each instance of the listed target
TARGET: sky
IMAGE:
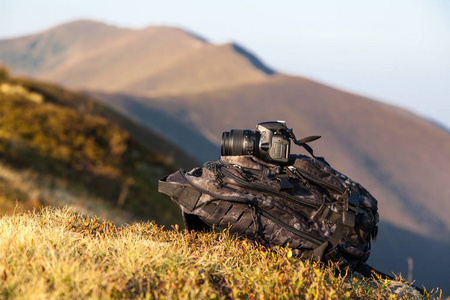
(392, 51)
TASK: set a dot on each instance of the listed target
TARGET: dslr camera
(270, 142)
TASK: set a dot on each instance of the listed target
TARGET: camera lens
(239, 142)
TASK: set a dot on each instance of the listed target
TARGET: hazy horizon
(392, 52)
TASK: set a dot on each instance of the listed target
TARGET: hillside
(56, 149)
(56, 254)
(189, 91)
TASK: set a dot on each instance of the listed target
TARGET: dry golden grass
(58, 254)
(56, 149)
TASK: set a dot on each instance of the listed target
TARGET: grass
(62, 139)
(58, 254)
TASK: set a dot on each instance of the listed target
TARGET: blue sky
(394, 51)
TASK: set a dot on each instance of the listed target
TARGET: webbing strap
(369, 272)
(319, 252)
(324, 213)
(337, 235)
(212, 194)
(327, 250)
(185, 195)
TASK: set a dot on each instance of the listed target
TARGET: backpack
(318, 212)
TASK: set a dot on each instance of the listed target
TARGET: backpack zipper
(316, 180)
(290, 228)
(263, 188)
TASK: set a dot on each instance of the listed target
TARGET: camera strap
(303, 143)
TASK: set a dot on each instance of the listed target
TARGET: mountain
(190, 91)
(153, 61)
(59, 148)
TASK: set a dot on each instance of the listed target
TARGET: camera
(270, 142)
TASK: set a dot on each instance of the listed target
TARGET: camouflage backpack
(317, 211)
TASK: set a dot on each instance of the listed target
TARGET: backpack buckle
(349, 216)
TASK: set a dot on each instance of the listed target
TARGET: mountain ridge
(54, 57)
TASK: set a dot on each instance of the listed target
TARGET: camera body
(270, 142)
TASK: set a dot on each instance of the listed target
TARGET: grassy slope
(58, 254)
(53, 139)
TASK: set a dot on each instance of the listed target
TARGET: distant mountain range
(190, 91)
(152, 61)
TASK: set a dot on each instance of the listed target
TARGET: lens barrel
(240, 142)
